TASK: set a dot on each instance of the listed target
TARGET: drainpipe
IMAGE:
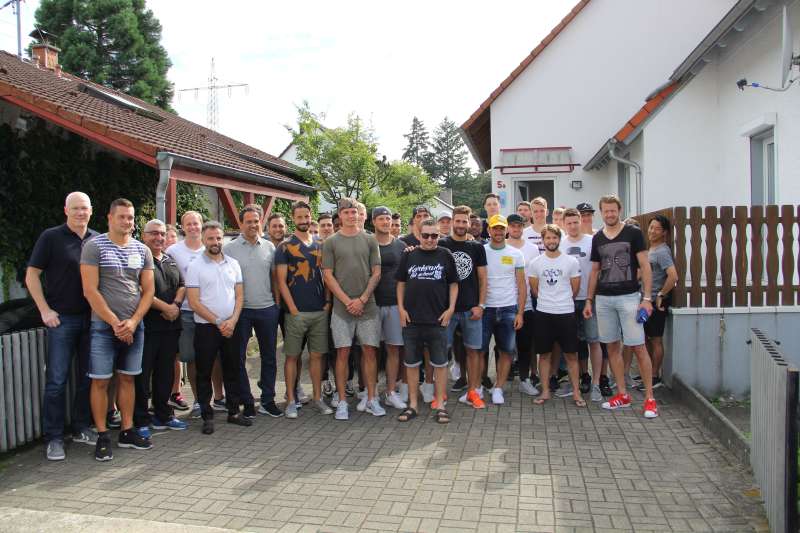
(612, 146)
(164, 169)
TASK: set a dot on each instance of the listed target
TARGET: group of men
(133, 311)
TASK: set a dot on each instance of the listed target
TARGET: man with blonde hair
(533, 233)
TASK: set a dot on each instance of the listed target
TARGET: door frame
(533, 178)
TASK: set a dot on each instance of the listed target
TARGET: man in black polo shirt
(162, 329)
(65, 312)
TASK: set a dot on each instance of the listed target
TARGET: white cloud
(384, 61)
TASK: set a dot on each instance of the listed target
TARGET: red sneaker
(650, 408)
(475, 399)
(617, 401)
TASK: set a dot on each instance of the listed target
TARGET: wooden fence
(733, 256)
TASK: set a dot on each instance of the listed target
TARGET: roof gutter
(612, 146)
(164, 161)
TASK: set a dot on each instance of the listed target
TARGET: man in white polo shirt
(214, 289)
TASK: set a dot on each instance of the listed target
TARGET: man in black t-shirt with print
(618, 254)
(427, 289)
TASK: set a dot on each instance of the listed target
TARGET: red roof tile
(647, 110)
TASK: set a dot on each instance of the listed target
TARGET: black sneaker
(102, 450)
(208, 426)
(113, 419)
(535, 380)
(586, 382)
(657, 383)
(219, 405)
(239, 420)
(553, 384)
(130, 438)
(605, 387)
(459, 385)
(249, 411)
(514, 371)
(562, 375)
(270, 409)
(487, 383)
(177, 401)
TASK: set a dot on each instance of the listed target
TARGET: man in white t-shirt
(555, 280)
(533, 232)
(525, 348)
(579, 245)
(505, 300)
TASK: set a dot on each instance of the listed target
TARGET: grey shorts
(367, 329)
(186, 341)
(311, 325)
(391, 330)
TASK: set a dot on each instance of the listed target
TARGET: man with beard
(255, 257)
(470, 260)
(555, 279)
(618, 254)
(215, 292)
(524, 210)
(117, 278)
(476, 228)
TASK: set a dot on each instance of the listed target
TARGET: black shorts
(549, 329)
(416, 337)
(654, 327)
(525, 334)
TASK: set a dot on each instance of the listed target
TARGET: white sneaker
(565, 391)
(374, 408)
(427, 392)
(335, 400)
(361, 394)
(526, 387)
(463, 398)
(497, 396)
(395, 401)
(342, 412)
(455, 371)
(403, 391)
(300, 395)
(480, 392)
(597, 396)
(362, 404)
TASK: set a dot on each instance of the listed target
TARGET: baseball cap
(584, 207)
(345, 203)
(445, 214)
(419, 209)
(514, 218)
(498, 220)
(379, 211)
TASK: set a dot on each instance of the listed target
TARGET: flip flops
(407, 414)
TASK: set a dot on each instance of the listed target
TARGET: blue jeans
(265, 323)
(69, 338)
(499, 321)
(108, 354)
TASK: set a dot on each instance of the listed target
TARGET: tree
(418, 148)
(449, 154)
(470, 188)
(115, 43)
(401, 186)
(340, 162)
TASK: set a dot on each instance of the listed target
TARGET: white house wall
(695, 153)
(580, 90)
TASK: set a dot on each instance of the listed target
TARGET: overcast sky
(384, 61)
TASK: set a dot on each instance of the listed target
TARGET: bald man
(66, 314)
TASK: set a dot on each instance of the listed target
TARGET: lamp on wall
(576, 184)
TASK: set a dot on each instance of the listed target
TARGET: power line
(212, 107)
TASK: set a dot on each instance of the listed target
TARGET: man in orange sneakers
(618, 253)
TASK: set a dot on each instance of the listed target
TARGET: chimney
(46, 55)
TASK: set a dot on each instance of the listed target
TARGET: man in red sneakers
(618, 253)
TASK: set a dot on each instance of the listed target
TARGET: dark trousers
(265, 323)
(208, 342)
(525, 347)
(158, 373)
(65, 342)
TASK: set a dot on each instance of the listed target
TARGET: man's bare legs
(503, 369)
(392, 367)
(618, 367)
(369, 364)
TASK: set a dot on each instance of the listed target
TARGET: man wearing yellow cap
(505, 299)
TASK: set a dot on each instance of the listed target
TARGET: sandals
(442, 417)
(409, 413)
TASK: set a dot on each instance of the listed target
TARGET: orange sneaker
(475, 399)
(650, 408)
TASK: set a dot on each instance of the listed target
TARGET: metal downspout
(164, 168)
(612, 146)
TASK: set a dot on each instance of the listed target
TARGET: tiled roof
(650, 107)
(474, 125)
(64, 95)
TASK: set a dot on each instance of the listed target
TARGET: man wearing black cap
(587, 217)
(418, 214)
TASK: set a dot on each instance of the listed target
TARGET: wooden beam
(228, 205)
(269, 203)
(249, 198)
(217, 180)
(172, 202)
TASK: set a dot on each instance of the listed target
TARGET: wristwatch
(218, 321)
(482, 306)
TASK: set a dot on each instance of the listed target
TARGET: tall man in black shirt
(618, 253)
(65, 312)
(427, 290)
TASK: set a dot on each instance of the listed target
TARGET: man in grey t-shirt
(351, 263)
(256, 256)
(117, 277)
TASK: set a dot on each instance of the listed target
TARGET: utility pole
(17, 7)
(212, 108)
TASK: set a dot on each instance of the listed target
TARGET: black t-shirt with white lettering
(618, 262)
(468, 256)
(427, 275)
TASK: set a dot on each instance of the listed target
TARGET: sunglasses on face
(429, 235)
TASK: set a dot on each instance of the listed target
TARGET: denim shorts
(417, 337)
(471, 330)
(587, 329)
(617, 314)
(107, 353)
(499, 321)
